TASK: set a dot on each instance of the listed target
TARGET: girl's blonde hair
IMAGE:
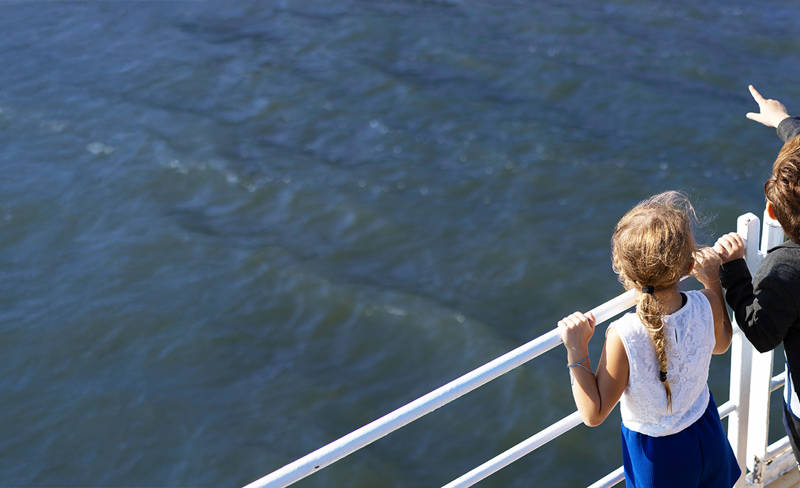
(652, 248)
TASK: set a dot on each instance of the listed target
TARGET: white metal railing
(392, 421)
(751, 382)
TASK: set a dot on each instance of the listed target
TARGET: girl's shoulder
(699, 302)
(629, 329)
(709, 296)
(694, 322)
(628, 321)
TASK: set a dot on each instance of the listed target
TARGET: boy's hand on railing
(771, 112)
(730, 247)
(575, 331)
(706, 266)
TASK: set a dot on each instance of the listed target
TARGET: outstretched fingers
(770, 112)
(756, 96)
(761, 101)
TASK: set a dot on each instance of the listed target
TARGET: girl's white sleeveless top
(690, 338)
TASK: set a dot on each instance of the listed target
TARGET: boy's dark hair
(782, 188)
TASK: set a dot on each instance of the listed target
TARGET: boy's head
(782, 189)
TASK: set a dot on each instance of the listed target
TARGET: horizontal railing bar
(326, 455)
(777, 381)
(613, 478)
(531, 444)
(726, 409)
(779, 460)
(778, 447)
(539, 439)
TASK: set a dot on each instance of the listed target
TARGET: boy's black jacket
(768, 308)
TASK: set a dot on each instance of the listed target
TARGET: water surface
(230, 234)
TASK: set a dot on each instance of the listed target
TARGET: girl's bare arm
(595, 394)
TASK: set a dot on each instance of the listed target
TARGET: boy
(768, 308)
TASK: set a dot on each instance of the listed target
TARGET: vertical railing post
(748, 226)
(750, 381)
(761, 375)
(773, 234)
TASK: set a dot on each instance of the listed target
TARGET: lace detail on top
(690, 338)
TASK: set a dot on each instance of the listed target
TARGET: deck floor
(790, 479)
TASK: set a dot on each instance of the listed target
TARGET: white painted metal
(761, 374)
(748, 226)
(758, 426)
(516, 452)
(776, 448)
(748, 418)
(779, 455)
(537, 441)
(781, 460)
(614, 307)
(726, 409)
(381, 427)
(773, 234)
(613, 478)
(741, 361)
(777, 381)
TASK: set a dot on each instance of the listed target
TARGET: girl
(657, 359)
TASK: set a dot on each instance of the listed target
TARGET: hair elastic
(648, 289)
(580, 364)
(663, 376)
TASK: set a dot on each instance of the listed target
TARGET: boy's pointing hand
(771, 112)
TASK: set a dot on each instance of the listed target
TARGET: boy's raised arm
(763, 307)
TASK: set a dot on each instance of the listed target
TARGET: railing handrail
(743, 390)
(537, 440)
(504, 459)
(330, 453)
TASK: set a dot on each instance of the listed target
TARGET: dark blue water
(231, 233)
